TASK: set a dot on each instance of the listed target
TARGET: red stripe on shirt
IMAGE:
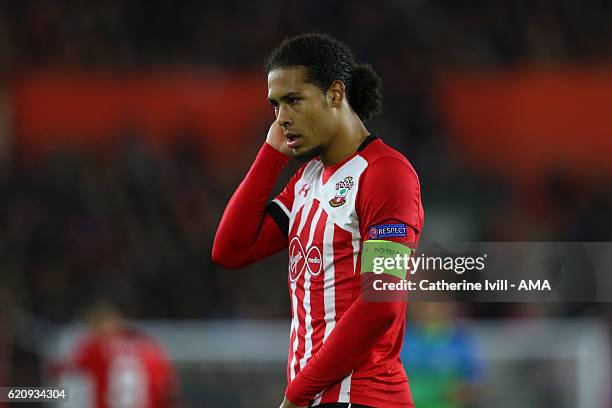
(317, 303)
(299, 289)
(344, 278)
(294, 227)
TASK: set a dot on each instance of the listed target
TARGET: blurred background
(126, 126)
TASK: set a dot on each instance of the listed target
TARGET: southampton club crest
(342, 189)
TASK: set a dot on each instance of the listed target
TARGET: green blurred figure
(440, 358)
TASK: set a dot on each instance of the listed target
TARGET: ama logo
(299, 260)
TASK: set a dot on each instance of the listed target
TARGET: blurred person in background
(441, 358)
(127, 368)
(354, 194)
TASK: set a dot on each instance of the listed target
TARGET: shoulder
(385, 161)
(389, 188)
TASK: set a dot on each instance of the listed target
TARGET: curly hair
(327, 60)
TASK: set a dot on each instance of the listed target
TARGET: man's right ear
(336, 93)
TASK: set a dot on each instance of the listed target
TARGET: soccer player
(128, 368)
(353, 197)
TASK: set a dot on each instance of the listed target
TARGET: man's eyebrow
(286, 96)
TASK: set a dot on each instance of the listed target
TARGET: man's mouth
(293, 140)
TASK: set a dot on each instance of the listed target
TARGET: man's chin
(304, 156)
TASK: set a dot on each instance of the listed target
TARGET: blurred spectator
(128, 369)
(440, 358)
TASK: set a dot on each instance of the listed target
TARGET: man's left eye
(293, 101)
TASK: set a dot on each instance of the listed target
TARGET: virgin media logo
(300, 260)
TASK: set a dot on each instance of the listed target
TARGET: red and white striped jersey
(329, 213)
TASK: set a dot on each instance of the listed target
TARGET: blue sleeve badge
(387, 231)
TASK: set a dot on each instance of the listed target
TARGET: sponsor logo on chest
(300, 259)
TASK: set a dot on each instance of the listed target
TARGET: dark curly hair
(326, 60)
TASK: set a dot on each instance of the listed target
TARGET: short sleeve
(389, 202)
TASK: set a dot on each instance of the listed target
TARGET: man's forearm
(348, 344)
(244, 215)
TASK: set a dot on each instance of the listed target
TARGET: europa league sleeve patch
(386, 231)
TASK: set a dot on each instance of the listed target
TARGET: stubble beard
(309, 154)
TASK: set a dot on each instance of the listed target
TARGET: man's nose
(283, 117)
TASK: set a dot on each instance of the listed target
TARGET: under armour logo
(299, 260)
(305, 189)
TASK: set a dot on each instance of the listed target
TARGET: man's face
(301, 110)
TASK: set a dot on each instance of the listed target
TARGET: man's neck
(345, 143)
